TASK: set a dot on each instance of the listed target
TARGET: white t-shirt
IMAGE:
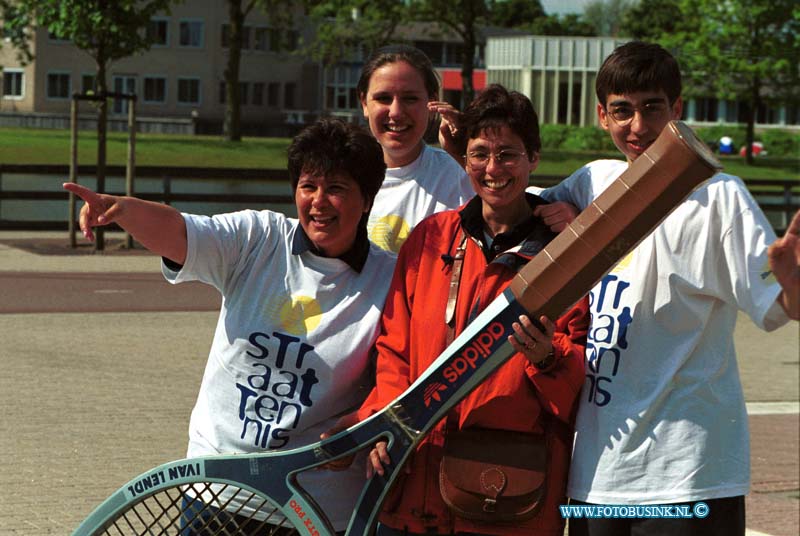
(431, 183)
(662, 417)
(291, 348)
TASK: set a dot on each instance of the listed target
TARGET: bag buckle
(489, 505)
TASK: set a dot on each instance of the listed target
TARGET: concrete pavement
(100, 375)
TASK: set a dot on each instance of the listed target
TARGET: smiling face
(396, 107)
(633, 137)
(500, 185)
(329, 209)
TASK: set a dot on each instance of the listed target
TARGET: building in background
(179, 81)
(558, 75)
(444, 48)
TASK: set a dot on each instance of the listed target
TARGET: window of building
(433, 49)
(261, 38)
(292, 40)
(273, 94)
(188, 91)
(155, 89)
(258, 93)
(244, 88)
(340, 88)
(274, 40)
(88, 83)
(289, 90)
(225, 36)
(455, 53)
(706, 109)
(768, 115)
(58, 85)
(191, 33)
(158, 32)
(13, 83)
(792, 114)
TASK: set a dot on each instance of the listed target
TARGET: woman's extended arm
(159, 228)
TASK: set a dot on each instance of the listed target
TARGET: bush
(780, 142)
(574, 138)
(712, 135)
(777, 142)
(553, 135)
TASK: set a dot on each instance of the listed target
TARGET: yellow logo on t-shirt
(300, 315)
(622, 265)
(389, 232)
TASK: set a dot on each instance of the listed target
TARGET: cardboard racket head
(625, 213)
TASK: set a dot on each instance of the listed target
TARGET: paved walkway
(102, 359)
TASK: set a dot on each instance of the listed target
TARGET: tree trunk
(468, 60)
(752, 112)
(233, 113)
(102, 118)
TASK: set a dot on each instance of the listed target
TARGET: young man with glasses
(662, 418)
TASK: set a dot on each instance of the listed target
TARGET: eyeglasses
(622, 115)
(478, 160)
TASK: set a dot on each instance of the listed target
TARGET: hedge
(780, 143)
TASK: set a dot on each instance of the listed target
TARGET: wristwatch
(547, 362)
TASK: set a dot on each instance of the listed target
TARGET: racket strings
(201, 509)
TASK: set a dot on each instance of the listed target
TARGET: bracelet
(548, 360)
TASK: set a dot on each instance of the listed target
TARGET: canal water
(58, 210)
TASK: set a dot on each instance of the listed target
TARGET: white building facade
(558, 75)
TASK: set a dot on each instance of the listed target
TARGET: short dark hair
(638, 66)
(335, 146)
(393, 54)
(496, 107)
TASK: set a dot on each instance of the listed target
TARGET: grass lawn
(41, 146)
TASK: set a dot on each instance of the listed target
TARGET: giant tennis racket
(160, 500)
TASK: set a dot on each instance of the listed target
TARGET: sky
(563, 7)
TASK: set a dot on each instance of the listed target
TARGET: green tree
(346, 24)
(514, 13)
(744, 50)
(342, 26)
(281, 13)
(465, 18)
(106, 30)
(651, 20)
(606, 16)
(15, 28)
(569, 24)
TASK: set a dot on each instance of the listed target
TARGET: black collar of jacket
(355, 257)
(526, 239)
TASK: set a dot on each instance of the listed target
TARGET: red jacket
(413, 334)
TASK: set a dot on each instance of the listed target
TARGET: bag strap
(455, 281)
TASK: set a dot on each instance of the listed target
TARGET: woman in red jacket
(535, 391)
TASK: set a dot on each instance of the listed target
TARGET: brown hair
(496, 107)
(638, 66)
(393, 54)
(331, 146)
